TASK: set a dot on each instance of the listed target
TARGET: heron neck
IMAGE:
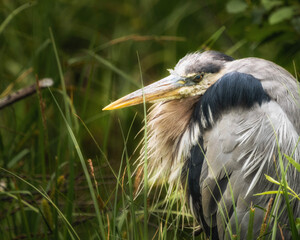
(169, 134)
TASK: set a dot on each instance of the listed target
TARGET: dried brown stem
(24, 92)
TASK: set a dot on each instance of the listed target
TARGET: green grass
(89, 48)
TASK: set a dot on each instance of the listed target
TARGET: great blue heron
(220, 123)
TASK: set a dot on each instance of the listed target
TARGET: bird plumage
(223, 134)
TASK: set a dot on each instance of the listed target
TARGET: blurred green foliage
(98, 45)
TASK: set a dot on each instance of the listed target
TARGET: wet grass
(66, 166)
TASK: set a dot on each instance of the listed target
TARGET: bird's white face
(192, 76)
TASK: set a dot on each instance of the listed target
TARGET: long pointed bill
(165, 89)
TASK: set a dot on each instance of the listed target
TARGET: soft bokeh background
(101, 46)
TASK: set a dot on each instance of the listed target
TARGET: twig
(24, 92)
(281, 232)
(140, 38)
(264, 225)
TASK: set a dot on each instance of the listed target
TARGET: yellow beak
(164, 89)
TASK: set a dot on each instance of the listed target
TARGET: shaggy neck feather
(168, 138)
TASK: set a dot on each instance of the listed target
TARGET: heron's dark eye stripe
(207, 68)
(211, 68)
(221, 56)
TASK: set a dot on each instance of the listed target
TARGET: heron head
(192, 76)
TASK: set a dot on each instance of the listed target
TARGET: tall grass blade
(286, 197)
(24, 217)
(111, 66)
(98, 147)
(69, 226)
(145, 192)
(130, 182)
(251, 223)
(14, 13)
(209, 42)
(84, 167)
(68, 120)
(11, 195)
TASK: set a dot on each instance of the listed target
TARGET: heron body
(220, 125)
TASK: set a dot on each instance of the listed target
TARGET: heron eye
(198, 77)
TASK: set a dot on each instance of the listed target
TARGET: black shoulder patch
(195, 163)
(232, 90)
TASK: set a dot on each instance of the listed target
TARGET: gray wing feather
(241, 148)
(280, 85)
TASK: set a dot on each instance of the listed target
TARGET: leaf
(281, 14)
(269, 4)
(18, 157)
(267, 193)
(298, 223)
(272, 180)
(236, 6)
(293, 162)
(273, 192)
